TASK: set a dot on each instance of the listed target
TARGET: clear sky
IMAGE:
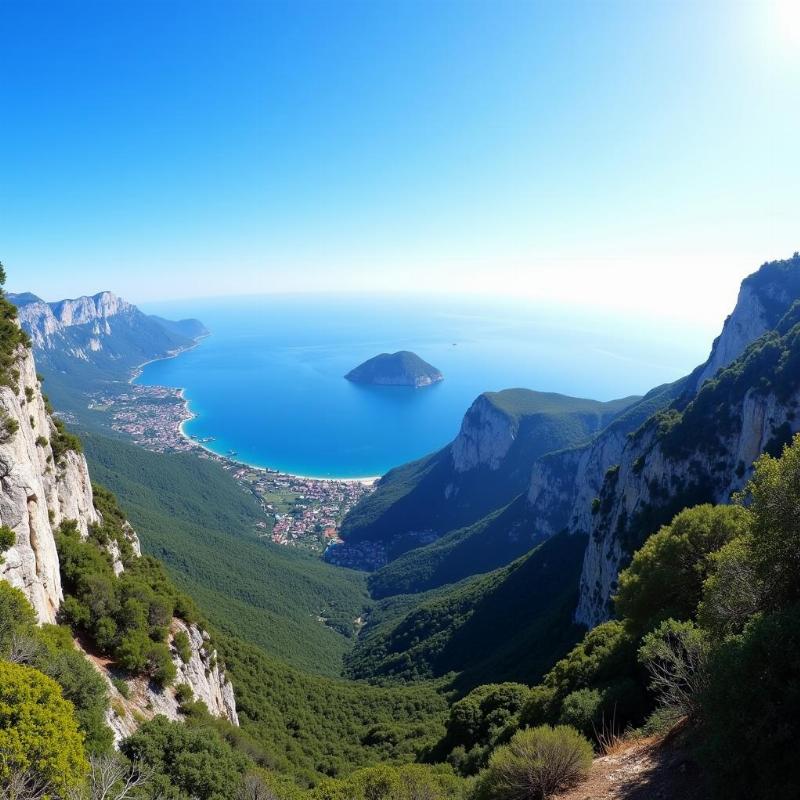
(635, 155)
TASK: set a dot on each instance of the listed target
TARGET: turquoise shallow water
(268, 382)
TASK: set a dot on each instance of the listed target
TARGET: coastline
(190, 415)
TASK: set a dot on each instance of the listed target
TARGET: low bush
(183, 646)
(535, 764)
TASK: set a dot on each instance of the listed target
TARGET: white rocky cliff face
(647, 475)
(46, 322)
(564, 484)
(485, 437)
(746, 324)
(201, 672)
(36, 496)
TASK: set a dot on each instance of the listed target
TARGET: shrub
(38, 732)
(774, 493)
(676, 656)
(535, 764)
(41, 441)
(183, 693)
(80, 684)
(665, 577)
(197, 761)
(183, 646)
(159, 664)
(122, 687)
(7, 538)
(606, 653)
(732, 592)
(540, 707)
(751, 711)
(17, 617)
(582, 710)
(385, 782)
(63, 441)
(8, 427)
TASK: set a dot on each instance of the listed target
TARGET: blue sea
(268, 382)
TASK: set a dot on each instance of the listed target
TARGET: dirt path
(645, 769)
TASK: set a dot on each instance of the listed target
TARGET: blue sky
(632, 155)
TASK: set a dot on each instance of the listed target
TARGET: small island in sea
(396, 369)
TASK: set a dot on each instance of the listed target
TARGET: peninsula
(396, 369)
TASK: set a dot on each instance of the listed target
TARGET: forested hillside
(509, 625)
(481, 472)
(191, 515)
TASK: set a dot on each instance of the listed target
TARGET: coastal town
(298, 511)
(150, 415)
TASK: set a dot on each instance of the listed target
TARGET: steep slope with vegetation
(136, 624)
(700, 449)
(191, 515)
(484, 469)
(508, 625)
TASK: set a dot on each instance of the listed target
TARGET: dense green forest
(511, 624)
(191, 515)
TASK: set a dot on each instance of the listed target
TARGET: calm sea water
(268, 382)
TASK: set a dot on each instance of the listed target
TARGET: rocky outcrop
(746, 324)
(36, 493)
(652, 483)
(485, 438)
(203, 674)
(143, 699)
(97, 309)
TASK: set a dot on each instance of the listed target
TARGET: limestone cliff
(46, 323)
(652, 483)
(39, 489)
(485, 437)
(89, 341)
(739, 404)
(564, 484)
(201, 672)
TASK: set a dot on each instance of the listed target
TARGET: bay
(268, 383)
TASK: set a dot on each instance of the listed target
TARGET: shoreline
(190, 415)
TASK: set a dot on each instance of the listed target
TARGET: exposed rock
(202, 673)
(746, 324)
(36, 494)
(650, 481)
(46, 322)
(563, 484)
(486, 435)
